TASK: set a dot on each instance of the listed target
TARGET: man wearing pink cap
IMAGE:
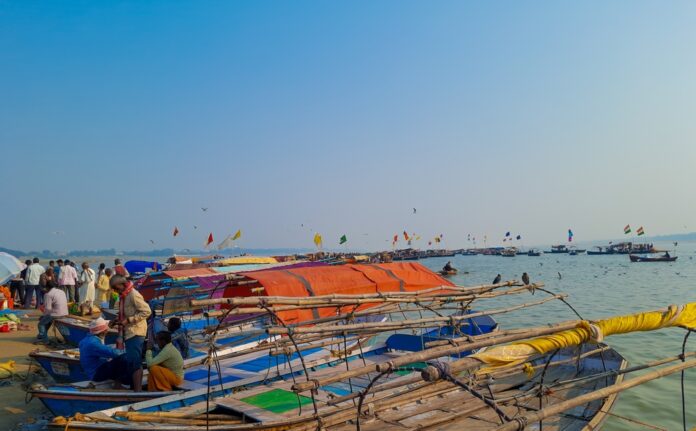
(101, 362)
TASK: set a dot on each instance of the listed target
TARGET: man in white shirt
(55, 306)
(67, 280)
(34, 272)
(87, 279)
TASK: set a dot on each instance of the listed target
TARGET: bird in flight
(559, 276)
(525, 278)
(152, 241)
(497, 279)
(204, 209)
(414, 211)
(195, 227)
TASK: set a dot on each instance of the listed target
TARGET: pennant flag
(627, 229)
(209, 240)
(418, 238)
(406, 237)
(343, 240)
(441, 236)
(317, 240)
(507, 234)
(176, 231)
(640, 231)
(237, 235)
(396, 239)
(504, 239)
(570, 235)
(225, 243)
(519, 237)
(430, 243)
(437, 239)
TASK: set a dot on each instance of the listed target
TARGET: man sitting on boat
(101, 362)
(167, 368)
(55, 305)
(448, 267)
(667, 255)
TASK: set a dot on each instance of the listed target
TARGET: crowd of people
(53, 288)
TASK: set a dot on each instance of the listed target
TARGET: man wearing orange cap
(101, 362)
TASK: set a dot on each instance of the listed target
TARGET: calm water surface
(603, 286)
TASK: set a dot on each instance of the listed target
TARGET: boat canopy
(352, 279)
(247, 260)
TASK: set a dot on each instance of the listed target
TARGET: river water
(598, 287)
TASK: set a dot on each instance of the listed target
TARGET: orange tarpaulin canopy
(345, 279)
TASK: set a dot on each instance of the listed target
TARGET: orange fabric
(345, 279)
(162, 379)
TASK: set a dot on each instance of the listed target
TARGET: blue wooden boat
(74, 329)
(239, 370)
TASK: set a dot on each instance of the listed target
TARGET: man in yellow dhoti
(166, 370)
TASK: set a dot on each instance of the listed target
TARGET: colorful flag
(437, 239)
(570, 235)
(209, 240)
(237, 235)
(343, 240)
(396, 239)
(317, 240)
(406, 235)
(519, 237)
(507, 234)
(430, 243)
(176, 231)
(627, 229)
(640, 231)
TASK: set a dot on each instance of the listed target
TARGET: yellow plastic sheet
(519, 352)
(7, 369)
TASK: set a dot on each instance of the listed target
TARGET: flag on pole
(343, 240)
(507, 234)
(519, 237)
(317, 240)
(640, 231)
(237, 235)
(406, 235)
(396, 239)
(627, 229)
(570, 235)
(176, 231)
(437, 239)
(209, 240)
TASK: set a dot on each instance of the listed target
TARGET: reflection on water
(603, 286)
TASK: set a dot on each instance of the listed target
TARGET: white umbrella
(9, 267)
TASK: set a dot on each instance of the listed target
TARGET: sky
(119, 120)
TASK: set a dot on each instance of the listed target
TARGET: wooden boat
(449, 273)
(509, 252)
(534, 253)
(236, 370)
(635, 258)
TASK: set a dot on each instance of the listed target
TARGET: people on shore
(133, 313)
(33, 286)
(119, 269)
(103, 292)
(55, 305)
(166, 370)
(67, 280)
(87, 281)
(102, 362)
(179, 336)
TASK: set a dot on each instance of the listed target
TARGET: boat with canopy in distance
(664, 258)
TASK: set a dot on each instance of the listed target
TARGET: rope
(444, 370)
(683, 392)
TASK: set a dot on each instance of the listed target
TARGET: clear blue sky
(119, 120)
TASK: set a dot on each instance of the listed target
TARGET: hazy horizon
(120, 120)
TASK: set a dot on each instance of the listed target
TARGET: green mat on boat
(407, 368)
(277, 400)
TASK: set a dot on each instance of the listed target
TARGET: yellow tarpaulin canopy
(246, 260)
(519, 352)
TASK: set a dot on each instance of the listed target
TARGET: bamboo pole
(254, 300)
(433, 353)
(552, 410)
(401, 323)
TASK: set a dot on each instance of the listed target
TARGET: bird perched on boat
(497, 279)
(525, 278)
